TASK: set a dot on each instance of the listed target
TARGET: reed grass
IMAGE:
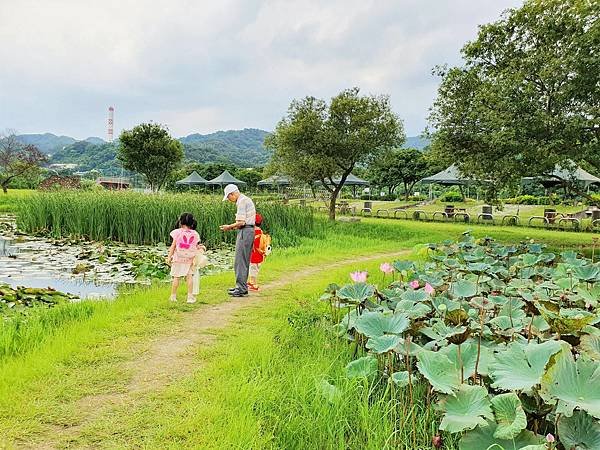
(136, 218)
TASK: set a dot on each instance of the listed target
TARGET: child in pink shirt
(183, 250)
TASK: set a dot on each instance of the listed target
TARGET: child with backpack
(260, 249)
(182, 253)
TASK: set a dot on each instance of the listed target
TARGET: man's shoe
(230, 290)
(238, 293)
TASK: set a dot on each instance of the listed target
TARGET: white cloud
(204, 65)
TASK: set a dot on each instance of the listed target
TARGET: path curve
(170, 357)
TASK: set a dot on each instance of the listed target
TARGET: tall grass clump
(136, 218)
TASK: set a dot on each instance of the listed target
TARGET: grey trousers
(241, 265)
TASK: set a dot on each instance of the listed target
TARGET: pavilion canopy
(569, 174)
(274, 180)
(449, 176)
(192, 179)
(351, 180)
(224, 179)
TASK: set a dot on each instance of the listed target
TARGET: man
(244, 223)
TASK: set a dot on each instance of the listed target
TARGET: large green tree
(150, 150)
(528, 97)
(399, 167)
(317, 141)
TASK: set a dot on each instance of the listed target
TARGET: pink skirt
(181, 269)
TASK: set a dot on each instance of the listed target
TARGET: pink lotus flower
(429, 288)
(359, 277)
(549, 438)
(386, 268)
(414, 284)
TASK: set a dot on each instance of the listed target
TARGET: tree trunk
(405, 192)
(5, 189)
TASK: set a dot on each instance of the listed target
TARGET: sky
(199, 66)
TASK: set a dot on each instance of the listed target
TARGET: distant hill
(417, 142)
(47, 143)
(243, 148)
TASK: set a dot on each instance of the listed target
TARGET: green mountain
(417, 142)
(47, 143)
(243, 148)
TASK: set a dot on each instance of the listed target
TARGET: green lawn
(259, 385)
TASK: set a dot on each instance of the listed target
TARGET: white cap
(229, 189)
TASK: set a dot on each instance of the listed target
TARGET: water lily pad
(510, 416)
(579, 432)
(466, 409)
(574, 384)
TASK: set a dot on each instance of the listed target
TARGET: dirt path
(172, 356)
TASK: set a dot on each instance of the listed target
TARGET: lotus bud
(442, 307)
(436, 441)
(549, 438)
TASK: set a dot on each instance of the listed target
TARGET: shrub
(451, 196)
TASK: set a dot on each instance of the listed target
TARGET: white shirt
(246, 211)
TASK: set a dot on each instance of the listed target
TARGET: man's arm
(234, 226)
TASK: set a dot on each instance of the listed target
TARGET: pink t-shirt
(186, 245)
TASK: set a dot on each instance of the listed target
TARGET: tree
(405, 166)
(150, 150)
(17, 160)
(317, 141)
(527, 98)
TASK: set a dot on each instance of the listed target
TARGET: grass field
(255, 382)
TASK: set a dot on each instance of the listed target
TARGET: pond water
(83, 268)
(21, 265)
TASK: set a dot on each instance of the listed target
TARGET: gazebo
(565, 174)
(351, 180)
(193, 179)
(449, 177)
(224, 179)
(274, 180)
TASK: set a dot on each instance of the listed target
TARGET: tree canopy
(17, 159)
(321, 141)
(528, 97)
(150, 150)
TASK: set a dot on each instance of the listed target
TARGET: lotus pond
(505, 340)
(80, 268)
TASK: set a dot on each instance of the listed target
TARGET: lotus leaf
(546, 257)
(478, 267)
(568, 255)
(449, 305)
(413, 349)
(590, 296)
(529, 259)
(383, 344)
(510, 416)
(328, 390)
(415, 295)
(482, 438)
(463, 289)
(586, 273)
(403, 266)
(439, 371)
(574, 384)
(468, 358)
(590, 346)
(513, 309)
(373, 324)
(466, 409)
(535, 248)
(579, 432)
(520, 367)
(439, 331)
(400, 378)
(356, 293)
(567, 320)
(415, 311)
(365, 367)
